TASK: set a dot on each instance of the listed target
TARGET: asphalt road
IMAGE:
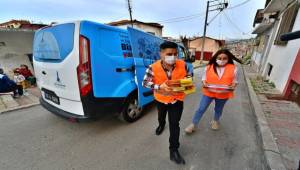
(33, 138)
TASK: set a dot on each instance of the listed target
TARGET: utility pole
(219, 6)
(204, 33)
(130, 11)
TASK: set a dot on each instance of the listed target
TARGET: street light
(215, 6)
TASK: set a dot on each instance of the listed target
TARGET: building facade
(13, 24)
(211, 46)
(149, 27)
(21, 24)
(276, 60)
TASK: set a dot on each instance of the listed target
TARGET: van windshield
(53, 44)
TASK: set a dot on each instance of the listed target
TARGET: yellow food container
(190, 91)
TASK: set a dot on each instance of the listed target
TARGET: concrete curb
(199, 66)
(272, 155)
(19, 107)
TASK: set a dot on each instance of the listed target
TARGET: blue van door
(145, 50)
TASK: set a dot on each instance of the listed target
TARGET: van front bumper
(67, 115)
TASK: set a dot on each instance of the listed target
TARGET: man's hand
(165, 87)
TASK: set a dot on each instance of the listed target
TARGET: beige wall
(12, 25)
(209, 45)
(146, 28)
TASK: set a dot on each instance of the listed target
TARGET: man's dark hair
(1, 71)
(24, 65)
(167, 44)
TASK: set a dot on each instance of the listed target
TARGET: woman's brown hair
(231, 57)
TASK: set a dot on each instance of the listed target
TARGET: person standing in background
(219, 82)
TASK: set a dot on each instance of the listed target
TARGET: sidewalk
(197, 64)
(30, 98)
(282, 118)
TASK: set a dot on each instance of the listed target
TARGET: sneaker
(215, 125)
(190, 129)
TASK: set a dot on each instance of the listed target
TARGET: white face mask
(170, 59)
(221, 62)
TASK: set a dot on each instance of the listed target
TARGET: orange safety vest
(160, 76)
(226, 79)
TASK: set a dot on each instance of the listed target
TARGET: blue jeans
(204, 103)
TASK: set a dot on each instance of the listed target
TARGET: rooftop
(125, 22)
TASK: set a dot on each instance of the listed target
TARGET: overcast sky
(179, 17)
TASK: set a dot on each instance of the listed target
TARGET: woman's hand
(204, 83)
(233, 86)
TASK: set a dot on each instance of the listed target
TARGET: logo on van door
(58, 82)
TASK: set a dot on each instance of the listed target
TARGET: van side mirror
(190, 58)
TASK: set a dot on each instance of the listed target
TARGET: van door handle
(43, 72)
(124, 69)
(148, 93)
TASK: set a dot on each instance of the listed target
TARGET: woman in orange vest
(156, 78)
(219, 82)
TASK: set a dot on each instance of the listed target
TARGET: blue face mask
(170, 59)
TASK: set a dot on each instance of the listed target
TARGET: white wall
(17, 45)
(282, 58)
(256, 57)
(272, 35)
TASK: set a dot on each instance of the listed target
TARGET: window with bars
(287, 23)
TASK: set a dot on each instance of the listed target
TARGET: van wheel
(132, 111)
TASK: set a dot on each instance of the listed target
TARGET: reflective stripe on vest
(213, 79)
(160, 76)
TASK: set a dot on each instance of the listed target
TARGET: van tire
(131, 111)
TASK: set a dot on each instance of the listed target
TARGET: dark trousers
(16, 89)
(174, 115)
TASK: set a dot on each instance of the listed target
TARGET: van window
(53, 44)
(181, 53)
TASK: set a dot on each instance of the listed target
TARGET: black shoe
(16, 96)
(159, 129)
(176, 157)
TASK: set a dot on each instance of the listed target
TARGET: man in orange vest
(156, 77)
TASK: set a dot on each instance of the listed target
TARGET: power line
(220, 25)
(232, 23)
(182, 18)
(193, 16)
(238, 5)
(233, 31)
(213, 18)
